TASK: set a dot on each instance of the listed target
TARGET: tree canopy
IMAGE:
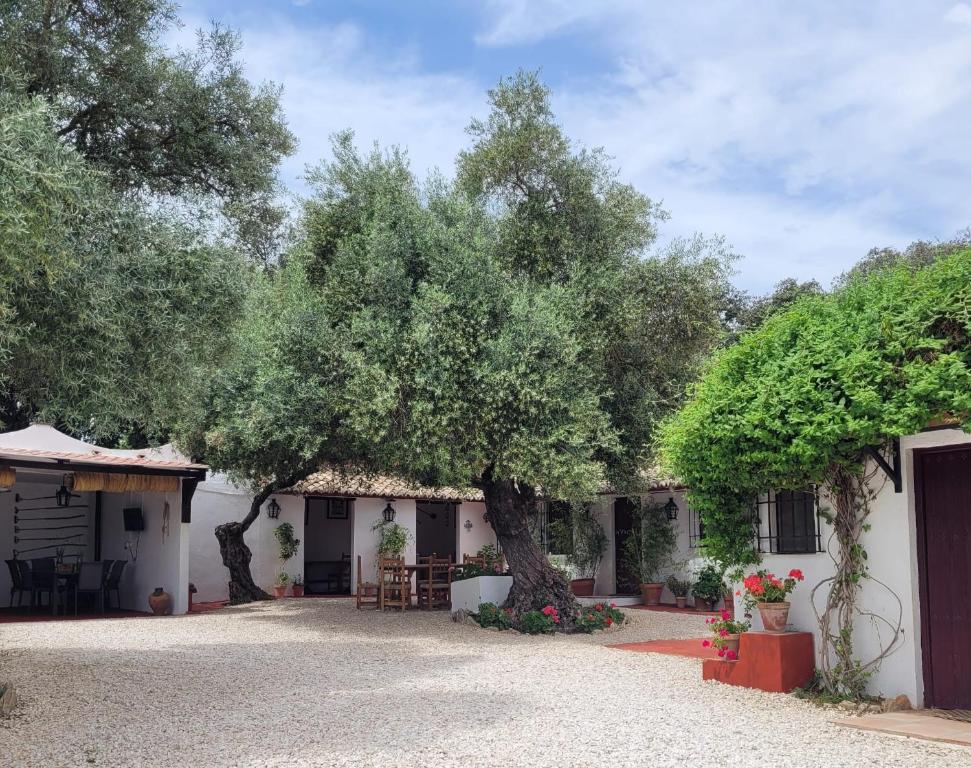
(109, 316)
(186, 125)
(816, 384)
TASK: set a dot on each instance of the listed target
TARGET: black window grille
(787, 522)
(696, 528)
(547, 513)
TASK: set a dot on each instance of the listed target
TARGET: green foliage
(816, 384)
(600, 616)
(678, 587)
(283, 578)
(491, 615)
(651, 543)
(287, 543)
(392, 538)
(536, 623)
(110, 317)
(187, 124)
(709, 585)
(582, 538)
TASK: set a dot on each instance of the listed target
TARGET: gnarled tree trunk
(236, 555)
(535, 583)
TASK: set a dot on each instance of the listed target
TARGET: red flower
(730, 654)
(609, 621)
(726, 615)
(613, 605)
(598, 607)
(723, 632)
(721, 651)
(738, 593)
(796, 574)
(706, 643)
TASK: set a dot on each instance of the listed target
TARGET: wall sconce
(63, 496)
(671, 509)
(273, 510)
(388, 513)
(468, 525)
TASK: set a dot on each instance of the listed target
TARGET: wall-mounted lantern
(63, 496)
(273, 510)
(468, 525)
(671, 509)
(388, 513)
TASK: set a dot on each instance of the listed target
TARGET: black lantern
(671, 509)
(273, 510)
(388, 512)
(63, 496)
(468, 525)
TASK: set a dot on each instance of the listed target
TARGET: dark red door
(943, 489)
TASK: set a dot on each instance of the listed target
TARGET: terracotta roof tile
(96, 456)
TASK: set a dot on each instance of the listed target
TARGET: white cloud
(806, 134)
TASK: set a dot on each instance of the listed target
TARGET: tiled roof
(96, 456)
(332, 481)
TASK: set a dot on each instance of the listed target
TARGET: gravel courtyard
(317, 683)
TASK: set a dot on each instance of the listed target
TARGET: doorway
(628, 582)
(943, 506)
(435, 529)
(327, 546)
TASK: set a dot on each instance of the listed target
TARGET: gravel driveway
(317, 683)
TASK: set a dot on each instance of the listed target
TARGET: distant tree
(188, 124)
(109, 317)
(755, 311)
(918, 254)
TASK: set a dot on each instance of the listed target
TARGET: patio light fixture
(671, 509)
(63, 496)
(388, 512)
(468, 525)
(273, 509)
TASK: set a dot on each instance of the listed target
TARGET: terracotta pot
(160, 602)
(681, 601)
(775, 616)
(582, 587)
(731, 643)
(702, 605)
(652, 593)
(280, 590)
(297, 590)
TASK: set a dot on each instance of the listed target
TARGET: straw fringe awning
(8, 476)
(118, 483)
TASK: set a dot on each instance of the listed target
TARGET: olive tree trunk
(535, 583)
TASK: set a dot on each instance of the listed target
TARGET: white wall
(892, 559)
(157, 558)
(481, 533)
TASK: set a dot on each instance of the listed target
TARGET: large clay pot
(160, 602)
(775, 616)
(652, 593)
(681, 601)
(280, 590)
(297, 590)
(582, 587)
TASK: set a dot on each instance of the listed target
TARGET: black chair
(91, 581)
(113, 583)
(42, 580)
(19, 580)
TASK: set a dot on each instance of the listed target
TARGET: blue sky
(803, 133)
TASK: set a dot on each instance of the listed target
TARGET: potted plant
(282, 581)
(296, 589)
(582, 538)
(768, 593)
(708, 588)
(680, 589)
(392, 538)
(727, 635)
(649, 548)
(288, 546)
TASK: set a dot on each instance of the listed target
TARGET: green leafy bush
(537, 622)
(600, 616)
(649, 547)
(287, 542)
(392, 538)
(709, 585)
(491, 615)
(679, 587)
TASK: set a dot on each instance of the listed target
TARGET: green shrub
(539, 622)
(491, 615)
(709, 586)
(600, 616)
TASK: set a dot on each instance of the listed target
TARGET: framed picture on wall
(337, 509)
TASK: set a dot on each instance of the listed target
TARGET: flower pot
(731, 643)
(702, 605)
(582, 587)
(652, 593)
(280, 590)
(160, 602)
(775, 616)
(681, 601)
(297, 590)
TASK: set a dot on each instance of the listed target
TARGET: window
(788, 522)
(696, 528)
(547, 513)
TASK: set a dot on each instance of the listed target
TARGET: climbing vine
(802, 400)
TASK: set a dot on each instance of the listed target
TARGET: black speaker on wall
(133, 519)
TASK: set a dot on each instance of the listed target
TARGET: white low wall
(469, 594)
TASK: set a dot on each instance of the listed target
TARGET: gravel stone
(299, 683)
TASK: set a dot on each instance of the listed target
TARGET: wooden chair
(367, 591)
(395, 583)
(435, 589)
(473, 560)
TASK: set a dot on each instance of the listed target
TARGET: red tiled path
(691, 648)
